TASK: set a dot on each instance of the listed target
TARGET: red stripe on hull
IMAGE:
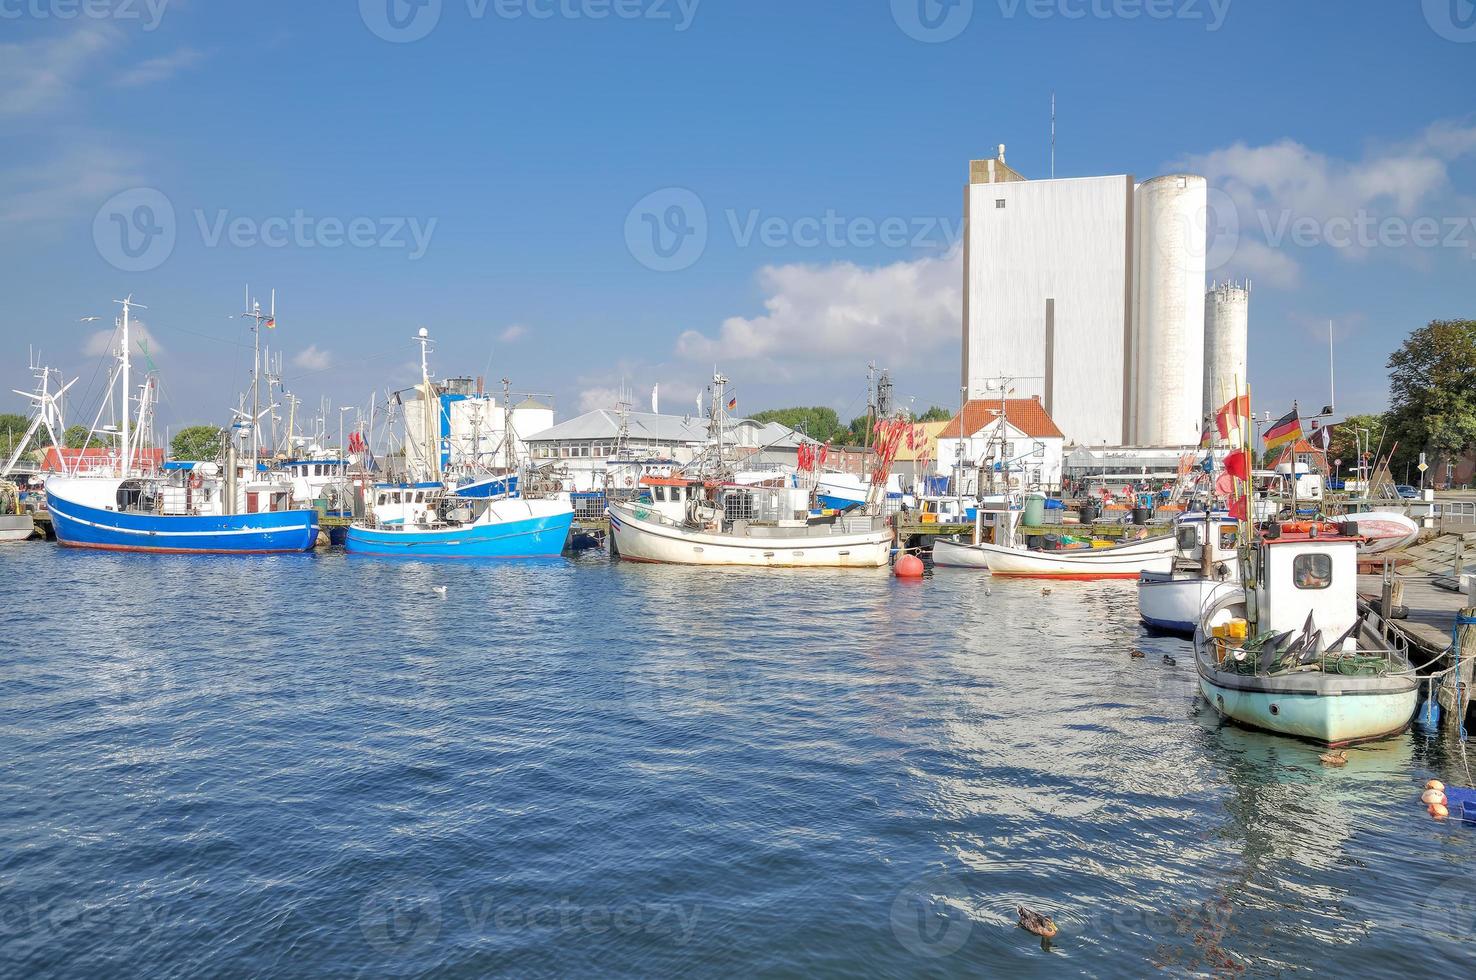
(182, 551)
(1074, 575)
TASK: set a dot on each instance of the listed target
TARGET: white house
(1013, 436)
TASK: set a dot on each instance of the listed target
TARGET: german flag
(1286, 429)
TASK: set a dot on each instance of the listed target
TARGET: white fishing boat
(716, 520)
(696, 522)
(1263, 652)
(15, 523)
(1205, 565)
(1005, 558)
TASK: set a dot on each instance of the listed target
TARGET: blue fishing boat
(171, 512)
(423, 521)
(426, 519)
(82, 519)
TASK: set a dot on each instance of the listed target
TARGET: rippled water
(316, 765)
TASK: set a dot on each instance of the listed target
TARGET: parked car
(1407, 492)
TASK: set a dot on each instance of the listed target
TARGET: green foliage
(818, 422)
(76, 438)
(12, 428)
(196, 442)
(1347, 434)
(1432, 391)
(935, 414)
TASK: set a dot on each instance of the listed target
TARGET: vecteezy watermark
(932, 21)
(401, 918)
(1448, 914)
(668, 230)
(931, 916)
(935, 21)
(151, 12)
(136, 230)
(1362, 230)
(403, 21)
(124, 920)
(1454, 20)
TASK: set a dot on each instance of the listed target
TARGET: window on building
(1312, 571)
(999, 204)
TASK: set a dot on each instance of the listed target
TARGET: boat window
(420, 496)
(1312, 571)
(1229, 536)
(659, 494)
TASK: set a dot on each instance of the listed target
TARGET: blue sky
(499, 171)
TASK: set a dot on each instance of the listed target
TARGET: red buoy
(908, 566)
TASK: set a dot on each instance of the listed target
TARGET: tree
(818, 422)
(76, 438)
(1432, 391)
(1349, 434)
(12, 427)
(196, 442)
(935, 414)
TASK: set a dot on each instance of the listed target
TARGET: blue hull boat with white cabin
(131, 510)
(81, 525)
(481, 520)
(513, 527)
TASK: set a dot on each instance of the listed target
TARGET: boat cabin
(405, 503)
(1195, 530)
(1304, 568)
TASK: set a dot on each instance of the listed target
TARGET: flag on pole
(732, 403)
(271, 323)
(1237, 464)
(654, 401)
(1231, 414)
(1205, 439)
(1286, 429)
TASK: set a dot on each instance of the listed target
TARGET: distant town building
(1015, 439)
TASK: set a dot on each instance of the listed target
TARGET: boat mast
(125, 461)
(432, 444)
(507, 429)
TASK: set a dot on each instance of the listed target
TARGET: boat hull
(79, 526)
(518, 529)
(16, 527)
(1384, 531)
(1329, 709)
(1128, 561)
(1173, 605)
(957, 554)
(651, 541)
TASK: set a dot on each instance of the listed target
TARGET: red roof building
(1026, 414)
(66, 460)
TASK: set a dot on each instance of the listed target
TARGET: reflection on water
(315, 764)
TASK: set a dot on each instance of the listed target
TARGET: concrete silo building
(1088, 292)
(1226, 329)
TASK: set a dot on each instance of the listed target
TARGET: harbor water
(335, 766)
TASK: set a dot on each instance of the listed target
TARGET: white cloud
(594, 399)
(513, 333)
(841, 310)
(160, 69)
(71, 182)
(104, 342)
(42, 76)
(313, 359)
(1277, 185)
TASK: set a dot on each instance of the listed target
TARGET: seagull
(89, 319)
(439, 590)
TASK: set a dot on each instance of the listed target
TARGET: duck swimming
(1339, 758)
(1034, 922)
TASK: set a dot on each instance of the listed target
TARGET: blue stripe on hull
(535, 537)
(80, 526)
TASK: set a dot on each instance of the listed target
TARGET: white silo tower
(1168, 309)
(1226, 328)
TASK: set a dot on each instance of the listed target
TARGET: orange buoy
(1435, 784)
(908, 566)
(1439, 811)
(1432, 796)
